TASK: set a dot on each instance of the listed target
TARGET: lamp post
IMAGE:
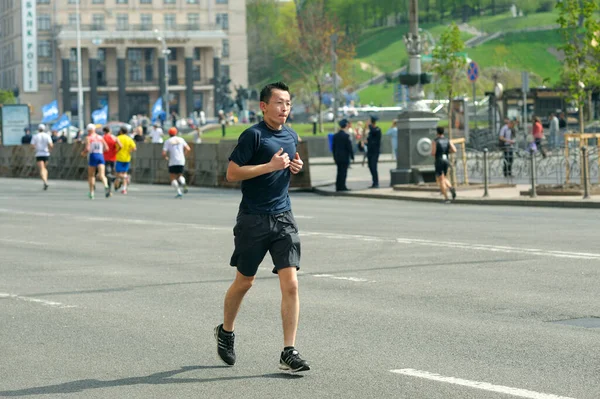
(79, 72)
(165, 52)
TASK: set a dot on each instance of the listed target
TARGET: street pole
(165, 52)
(475, 105)
(334, 76)
(79, 69)
(525, 88)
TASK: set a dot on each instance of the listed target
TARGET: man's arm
(452, 148)
(236, 172)
(433, 148)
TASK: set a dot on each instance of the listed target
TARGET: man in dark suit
(342, 154)
(373, 150)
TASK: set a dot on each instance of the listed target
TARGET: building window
(196, 73)
(145, 1)
(122, 21)
(73, 55)
(149, 72)
(173, 54)
(122, 1)
(73, 73)
(135, 73)
(169, 21)
(192, 1)
(134, 54)
(146, 21)
(223, 21)
(197, 53)
(169, 1)
(225, 48)
(222, 1)
(225, 71)
(198, 101)
(43, 1)
(46, 77)
(102, 54)
(44, 22)
(149, 55)
(173, 80)
(97, 1)
(72, 1)
(194, 21)
(72, 19)
(45, 48)
(98, 22)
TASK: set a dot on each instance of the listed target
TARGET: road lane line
(338, 236)
(522, 393)
(36, 300)
(353, 279)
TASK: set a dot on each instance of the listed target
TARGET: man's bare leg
(290, 304)
(233, 299)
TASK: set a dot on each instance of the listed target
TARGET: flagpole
(79, 77)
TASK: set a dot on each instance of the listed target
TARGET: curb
(469, 201)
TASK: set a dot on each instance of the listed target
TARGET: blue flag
(50, 112)
(100, 116)
(62, 123)
(157, 108)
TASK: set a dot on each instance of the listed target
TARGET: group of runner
(109, 158)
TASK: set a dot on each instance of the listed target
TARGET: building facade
(123, 48)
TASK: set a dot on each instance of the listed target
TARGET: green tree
(579, 28)
(448, 66)
(7, 97)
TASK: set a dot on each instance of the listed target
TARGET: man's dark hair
(267, 91)
(106, 129)
(439, 130)
(123, 130)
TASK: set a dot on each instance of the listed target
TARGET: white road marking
(36, 300)
(303, 217)
(22, 242)
(337, 236)
(354, 279)
(522, 393)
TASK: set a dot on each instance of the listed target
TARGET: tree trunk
(581, 116)
(319, 114)
(452, 156)
(590, 107)
(493, 7)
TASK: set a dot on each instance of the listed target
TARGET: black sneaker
(45, 186)
(290, 360)
(225, 345)
(453, 191)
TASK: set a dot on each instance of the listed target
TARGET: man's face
(278, 108)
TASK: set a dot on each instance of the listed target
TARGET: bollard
(533, 193)
(314, 128)
(486, 177)
(584, 165)
(223, 129)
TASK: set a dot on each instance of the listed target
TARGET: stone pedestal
(414, 163)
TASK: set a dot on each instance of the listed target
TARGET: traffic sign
(473, 71)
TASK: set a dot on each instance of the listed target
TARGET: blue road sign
(473, 71)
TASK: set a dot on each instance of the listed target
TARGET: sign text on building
(28, 23)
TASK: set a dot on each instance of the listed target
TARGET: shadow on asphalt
(161, 378)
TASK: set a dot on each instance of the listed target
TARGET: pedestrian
(54, 135)
(537, 131)
(95, 147)
(26, 139)
(156, 134)
(554, 127)
(342, 154)
(125, 146)
(110, 155)
(262, 162)
(139, 135)
(174, 151)
(393, 133)
(43, 144)
(373, 150)
(440, 151)
(507, 141)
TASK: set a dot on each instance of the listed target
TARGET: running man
(125, 146)
(174, 150)
(42, 142)
(265, 222)
(95, 147)
(110, 155)
(442, 148)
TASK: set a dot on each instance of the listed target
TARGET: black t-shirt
(26, 139)
(374, 140)
(268, 193)
(442, 147)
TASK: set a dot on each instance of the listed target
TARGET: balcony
(113, 83)
(140, 32)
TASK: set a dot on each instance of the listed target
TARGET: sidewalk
(359, 179)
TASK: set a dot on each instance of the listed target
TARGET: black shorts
(254, 235)
(43, 159)
(176, 169)
(441, 168)
(110, 166)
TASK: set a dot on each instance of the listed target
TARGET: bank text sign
(29, 22)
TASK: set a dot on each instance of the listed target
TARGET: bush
(546, 6)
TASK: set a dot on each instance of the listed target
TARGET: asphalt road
(118, 298)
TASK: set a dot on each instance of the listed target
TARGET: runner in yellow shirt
(125, 146)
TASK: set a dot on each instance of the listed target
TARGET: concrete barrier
(206, 164)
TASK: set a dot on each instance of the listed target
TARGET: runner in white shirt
(42, 142)
(156, 134)
(174, 151)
